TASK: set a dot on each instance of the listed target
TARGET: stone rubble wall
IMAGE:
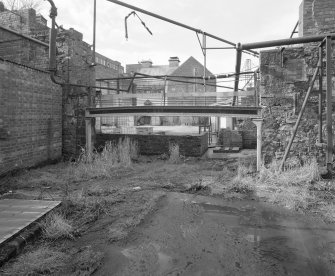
(284, 75)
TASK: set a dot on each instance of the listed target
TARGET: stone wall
(189, 145)
(30, 117)
(284, 75)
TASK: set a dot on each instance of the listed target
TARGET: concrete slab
(17, 214)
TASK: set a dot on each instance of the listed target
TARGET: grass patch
(56, 226)
(41, 261)
(86, 261)
(104, 164)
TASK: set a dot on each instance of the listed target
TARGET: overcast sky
(234, 20)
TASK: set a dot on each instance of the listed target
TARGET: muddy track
(200, 235)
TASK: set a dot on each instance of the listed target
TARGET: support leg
(258, 123)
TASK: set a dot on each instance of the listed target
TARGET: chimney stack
(174, 61)
(146, 63)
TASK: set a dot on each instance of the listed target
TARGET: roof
(157, 70)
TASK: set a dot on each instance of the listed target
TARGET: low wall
(189, 145)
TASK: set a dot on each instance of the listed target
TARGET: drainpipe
(52, 43)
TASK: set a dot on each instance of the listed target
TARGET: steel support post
(237, 70)
(329, 157)
(258, 123)
(288, 148)
(204, 45)
(256, 90)
(320, 94)
(88, 130)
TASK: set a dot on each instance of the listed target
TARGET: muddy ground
(158, 218)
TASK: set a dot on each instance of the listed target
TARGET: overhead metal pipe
(52, 38)
(211, 77)
(287, 41)
(175, 23)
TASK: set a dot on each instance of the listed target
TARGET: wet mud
(199, 235)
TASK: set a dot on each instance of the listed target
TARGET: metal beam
(320, 93)
(224, 111)
(175, 23)
(226, 94)
(329, 105)
(287, 41)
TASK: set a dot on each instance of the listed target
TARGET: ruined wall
(285, 75)
(30, 117)
(26, 22)
(190, 145)
(74, 60)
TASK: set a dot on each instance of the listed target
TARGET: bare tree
(23, 4)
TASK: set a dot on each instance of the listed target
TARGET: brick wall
(23, 51)
(190, 145)
(316, 17)
(30, 117)
(25, 22)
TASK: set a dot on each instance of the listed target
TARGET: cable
(126, 27)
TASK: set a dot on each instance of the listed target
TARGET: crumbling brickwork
(74, 60)
(26, 22)
(30, 117)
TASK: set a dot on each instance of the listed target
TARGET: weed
(174, 153)
(104, 164)
(328, 212)
(55, 227)
(41, 261)
(289, 187)
(86, 261)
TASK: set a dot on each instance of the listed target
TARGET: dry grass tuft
(104, 164)
(328, 212)
(41, 261)
(55, 227)
(242, 182)
(290, 187)
(174, 154)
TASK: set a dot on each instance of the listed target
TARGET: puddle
(198, 235)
